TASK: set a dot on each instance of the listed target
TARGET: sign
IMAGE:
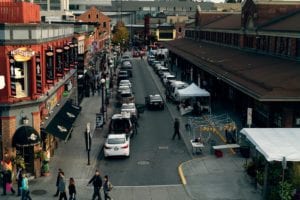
(59, 70)
(22, 54)
(249, 116)
(99, 120)
(49, 66)
(38, 72)
(12, 74)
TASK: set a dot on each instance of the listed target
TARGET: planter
(46, 174)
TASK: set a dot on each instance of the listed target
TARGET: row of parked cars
(167, 78)
(122, 125)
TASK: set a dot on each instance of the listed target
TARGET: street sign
(99, 120)
(249, 117)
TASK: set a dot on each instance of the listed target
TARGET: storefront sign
(38, 74)
(66, 59)
(12, 75)
(22, 54)
(59, 70)
(49, 66)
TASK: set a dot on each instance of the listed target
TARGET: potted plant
(45, 168)
(19, 161)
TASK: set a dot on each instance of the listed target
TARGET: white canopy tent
(275, 143)
(192, 91)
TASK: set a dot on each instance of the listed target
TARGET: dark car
(121, 123)
(126, 65)
(154, 102)
(123, 75)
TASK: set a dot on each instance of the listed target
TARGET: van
(174, 85)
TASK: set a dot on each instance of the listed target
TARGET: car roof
(125, 81)
(128, 104)
(123, 115)
(111, 136)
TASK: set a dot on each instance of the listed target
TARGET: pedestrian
(62, 186)
(25, 187)
(6, 166)
(107, 187)
(9, 182)
(72, 189)
(19, 179)
(57, 180)
(176, 129)
(97, 183)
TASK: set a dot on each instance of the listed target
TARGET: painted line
(181, 175)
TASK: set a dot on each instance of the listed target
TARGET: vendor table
(197, 147)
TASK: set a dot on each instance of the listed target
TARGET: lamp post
(102, 105)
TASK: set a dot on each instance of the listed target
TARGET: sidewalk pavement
(206, 177)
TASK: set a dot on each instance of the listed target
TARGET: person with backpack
(97, 183)
(107, 187)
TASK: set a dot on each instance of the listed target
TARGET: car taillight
(125, 147)
(107, 147)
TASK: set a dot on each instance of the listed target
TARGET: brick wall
(8, 130)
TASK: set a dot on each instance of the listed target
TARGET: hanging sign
(59, 69)
(66, 59)
(49, 66)
(38, 72)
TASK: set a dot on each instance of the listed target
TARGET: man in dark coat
(57, 181)
(176, 129)
(97, 183)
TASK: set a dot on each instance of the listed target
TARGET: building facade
(248, 60)
(39, 65)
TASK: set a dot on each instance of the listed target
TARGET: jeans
(25, 195)
(106, 195)
(96, 193)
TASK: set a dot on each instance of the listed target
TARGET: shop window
(104, 24)
(179, 30)
(97, 16)
(20, 79)
(89, 16)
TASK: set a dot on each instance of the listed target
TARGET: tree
(120, 34)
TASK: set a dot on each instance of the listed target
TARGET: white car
(125, 82)
(117, 145)
(129, 107)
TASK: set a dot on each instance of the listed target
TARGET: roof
(275, 143)
(110, 136)
(192, 91)
(286, 23)
(263, 77)
(232, 21)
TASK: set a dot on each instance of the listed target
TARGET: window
(89, 16)
(19, 78)
(97, 16)
(104, 24)
(179, 30)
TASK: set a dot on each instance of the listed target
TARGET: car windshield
(156, 98)
(127, 106)
(126, 95)
(116, 141)
(120, 125)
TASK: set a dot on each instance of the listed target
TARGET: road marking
(143, 162)
(163, 147)
(182, 177)
(147, 186)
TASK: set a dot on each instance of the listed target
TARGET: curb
(183, 179)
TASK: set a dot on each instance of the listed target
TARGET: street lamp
(103, 87)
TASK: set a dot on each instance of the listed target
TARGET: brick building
(39, 67)
(247, 59)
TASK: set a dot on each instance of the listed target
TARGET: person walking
(97, 183)
(107, 187)
(25, 187)
(72, 189)
(9, 182)
(57, 180)
(62, 186)
(176, 129)
(19, 179)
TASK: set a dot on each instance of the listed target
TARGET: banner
(59, 69)
(49, 66)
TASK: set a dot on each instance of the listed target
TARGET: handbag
(8, 186)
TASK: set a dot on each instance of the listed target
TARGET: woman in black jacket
(72, 189)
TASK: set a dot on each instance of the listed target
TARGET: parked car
(122, 88)
(154, 102)
(120, 124)
(129, 107)
(125, 82)
(135, 54)
(126, 96)
(167, 78)
(117, 145)
(123, 75)
(126, 65)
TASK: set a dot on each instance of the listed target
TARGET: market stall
(194, 98)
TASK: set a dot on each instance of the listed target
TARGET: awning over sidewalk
(61, 125)
(26, 136)
(275, 143)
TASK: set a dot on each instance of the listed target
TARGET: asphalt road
(154, 156)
